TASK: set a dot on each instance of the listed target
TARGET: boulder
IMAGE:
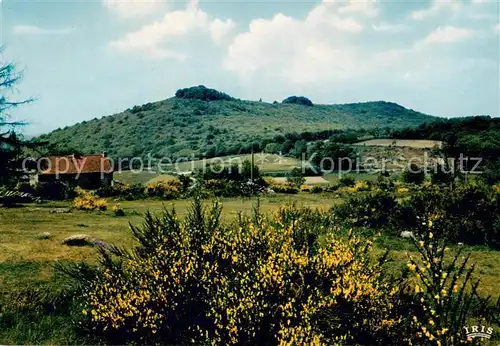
(61, 210)
(406, 234)
(84, 240)
(44, 236)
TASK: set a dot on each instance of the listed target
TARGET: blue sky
(90, 59)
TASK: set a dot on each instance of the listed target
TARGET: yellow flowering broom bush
(291, 278)
(87, 200)
(262, 280)
(170, 189)
(444, 294)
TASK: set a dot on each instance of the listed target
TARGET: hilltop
(201, 121)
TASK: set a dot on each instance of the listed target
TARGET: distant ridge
(200, 119)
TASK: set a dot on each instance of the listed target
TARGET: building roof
(74, 164)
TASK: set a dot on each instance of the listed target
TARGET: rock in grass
(44, 236)
(406, 234)
(61, 210)
(84, 240)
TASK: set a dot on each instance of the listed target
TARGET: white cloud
(266, 43)
(328, 14)
(36, 30)
(436, 7)
(303, 51)
(388, 27)
(133, 8)
(347, 24)
(367, 8)
(447, 34)
(328, 47)
(174, 25)
(497, 27)
(219, 29)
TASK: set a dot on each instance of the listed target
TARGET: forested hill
(201, 121)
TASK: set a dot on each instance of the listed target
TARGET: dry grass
(411, 143)
(308, 180)
(265, 162)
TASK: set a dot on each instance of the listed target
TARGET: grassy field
(134, 177)
(22, 249)
(266, 163)
(27, 260)
(410, 143)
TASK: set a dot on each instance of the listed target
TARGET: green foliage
(472, 137)
(466, 213)
(441, 175)
(374, 210)
(11, 145)
(347, 181)
(332, 156)
(295, 177)
(55, 190)
(190, 127)
(298, 100)
(445, 296)
(202, 93)
(413, 175)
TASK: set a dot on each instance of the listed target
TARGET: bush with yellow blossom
(169, 189)
(88, 200)
(264, 280)
(442, 289)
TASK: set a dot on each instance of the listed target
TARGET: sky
(88, 59)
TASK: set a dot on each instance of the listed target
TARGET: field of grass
(134, 177)
(335, 177)
(27, 260)
(411, 143)
(22, 250)
(266, 163)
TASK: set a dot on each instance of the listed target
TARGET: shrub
(118, 210)
(290, 278)
(316, 188)
(55, 190)
(260, 282)
(299, 100)
(279, 187)
(413, 175)
(125, 191)
(466, 213)
(227, 188)
(376, 209)
(26, 188)
(169, 189)
(347, 180)
(295, 177)
(202, 93)
(444, 294)
(87, 200)
(360, 185)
